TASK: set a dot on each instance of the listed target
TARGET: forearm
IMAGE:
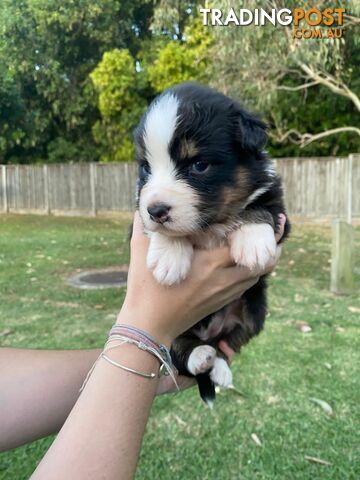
(102, 435)
(38, 389)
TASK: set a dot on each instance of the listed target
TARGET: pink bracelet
(143, 338)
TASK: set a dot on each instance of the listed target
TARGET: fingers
(242, 278)
(138, 236)
(221, 256)
(218, 257)
(238, 290)
(166, 384)
(137, 226)
(280, 233)
(229, 352)
(274, 260)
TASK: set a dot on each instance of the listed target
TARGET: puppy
(204, 180)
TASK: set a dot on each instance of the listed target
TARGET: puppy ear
(251, 131)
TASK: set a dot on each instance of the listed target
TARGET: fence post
(342, 275)
(4, 188)
(349, 189)
(93, 188)
(46, 189)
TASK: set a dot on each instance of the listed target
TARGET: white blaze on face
(160, 126)
(162, 185)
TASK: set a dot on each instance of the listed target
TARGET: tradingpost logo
(307, 23)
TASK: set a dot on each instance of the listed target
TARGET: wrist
(147, 323)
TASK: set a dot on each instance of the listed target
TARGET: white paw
(169, 259)
(221, 374)
(201, 359)
(169, 272)
(253, 245)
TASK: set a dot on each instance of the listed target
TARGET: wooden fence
(314, 187)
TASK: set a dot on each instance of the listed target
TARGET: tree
(306, 87)
(48, 50)
(182, 60)
(120, 104)
(171, 17)
(178, 50)
(12, 113)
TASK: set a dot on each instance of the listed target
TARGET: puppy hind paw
(201, 359)
(221, 374)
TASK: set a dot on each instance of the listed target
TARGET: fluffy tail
(206, 388)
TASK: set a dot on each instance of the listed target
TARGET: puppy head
(199, 155)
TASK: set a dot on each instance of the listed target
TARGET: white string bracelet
(165, 365)
(153, 348)
(127, 369)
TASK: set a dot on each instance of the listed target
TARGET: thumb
(138, 235)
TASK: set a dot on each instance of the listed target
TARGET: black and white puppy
(204, 180)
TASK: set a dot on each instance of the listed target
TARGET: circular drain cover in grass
(114, 277)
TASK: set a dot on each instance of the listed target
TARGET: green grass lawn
(278, 372)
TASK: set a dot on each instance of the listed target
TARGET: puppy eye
(145, 168)
(199, 167)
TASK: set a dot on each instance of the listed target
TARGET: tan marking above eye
(188, 149)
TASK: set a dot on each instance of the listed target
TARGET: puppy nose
(159, 212)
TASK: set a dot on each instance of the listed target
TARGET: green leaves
(75, 76)
(120, 104)
(261, 66)
(126, 85)
(182, 61)
(50, 47)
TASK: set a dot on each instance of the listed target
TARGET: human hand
(166, 312)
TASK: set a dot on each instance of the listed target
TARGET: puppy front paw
(221, 374)
(253, 245)
(169, 258)
(201, 359)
